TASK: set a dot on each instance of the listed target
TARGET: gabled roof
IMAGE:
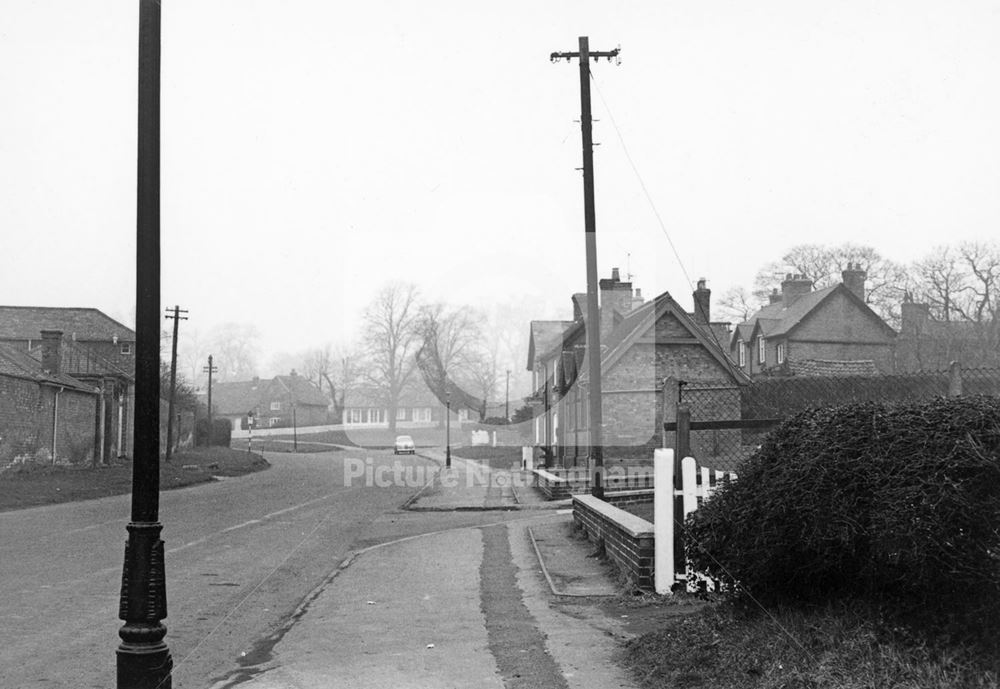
(20, 364)
(545, 337)
(237, 397)
(87, 324)
(302, 390)
(641, 319)
(774, 320)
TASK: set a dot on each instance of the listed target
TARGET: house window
(401, 414)
(376, 416)
(781, 352)
(274, 420)
(463, 414)
(741, 353)
(422, 414)
(354, 415)
(126, 348)
(760, 350)
(275, 406)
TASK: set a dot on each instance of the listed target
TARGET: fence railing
(680, 487)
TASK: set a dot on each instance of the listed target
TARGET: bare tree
(884, 285)
(942, 282)
(235, 348)
(390, 340)
(737, 304)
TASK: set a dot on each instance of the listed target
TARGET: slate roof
(825, 368)
(240, 397)
(302, 391)
(546, 337)
(775, 320)
(19, 364)
(27, 322)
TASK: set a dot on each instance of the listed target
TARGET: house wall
(26, 422)
(840, 331)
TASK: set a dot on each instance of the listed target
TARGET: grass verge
(32, 485)
(282, 445)
(724, 647)
(495, 457)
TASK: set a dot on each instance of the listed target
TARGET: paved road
(241, 556)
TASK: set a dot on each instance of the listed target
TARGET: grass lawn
(271, 444)
(32, 485)
(824, 648)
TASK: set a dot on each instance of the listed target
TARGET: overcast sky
(314, 150)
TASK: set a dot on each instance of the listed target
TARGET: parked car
(404, 445)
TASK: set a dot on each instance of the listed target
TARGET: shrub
(894, 504)
(221, 433)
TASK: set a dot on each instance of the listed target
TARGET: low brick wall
(628, 540)
(628, 497)
(561, 484)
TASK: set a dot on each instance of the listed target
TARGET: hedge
(896, 504)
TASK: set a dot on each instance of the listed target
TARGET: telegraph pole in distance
(590, 232)
(143, 659)
(177, 317)
(210, 369)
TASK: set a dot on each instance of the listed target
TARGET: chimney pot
(615, 275)
(794, 287)
(702, 303)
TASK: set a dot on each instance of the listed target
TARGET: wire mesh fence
(754, 409)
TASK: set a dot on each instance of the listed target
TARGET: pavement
(512, 603)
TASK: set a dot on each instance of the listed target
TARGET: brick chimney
(637, 299)
(615, 296)
(854, 279)
(52, 351)
(702, 303)
(914, 316)
(793, 287)
(774, 297)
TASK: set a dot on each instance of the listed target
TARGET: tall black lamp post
(143, 659)
(447, 431)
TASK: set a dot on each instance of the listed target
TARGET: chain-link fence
(729, 422)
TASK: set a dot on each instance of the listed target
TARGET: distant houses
(279, 402)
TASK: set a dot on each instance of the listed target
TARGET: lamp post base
(144, 666)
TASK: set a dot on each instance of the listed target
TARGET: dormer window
(761, 349)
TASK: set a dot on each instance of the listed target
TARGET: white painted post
(494, 438)
(689, 487)
(527, 458)
(663, 520)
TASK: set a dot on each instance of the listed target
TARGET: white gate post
(663, 520)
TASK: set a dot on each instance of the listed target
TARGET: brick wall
(627, 540)
(26, 422)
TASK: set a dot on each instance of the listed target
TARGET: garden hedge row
(897, 504)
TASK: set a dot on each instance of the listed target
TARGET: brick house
(45, 413)
(812, 332)
(95, 349)
(280, 402)
(643, 345)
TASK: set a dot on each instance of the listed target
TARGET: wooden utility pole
(177, 317)
(143, 659)
(590, 232)
(210, 369)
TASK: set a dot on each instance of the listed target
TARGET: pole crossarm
(595, 54)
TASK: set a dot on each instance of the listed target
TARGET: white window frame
(126, 348)
(463, 414)
(741, 353)
(276, 405)
(780, 353)
(274, 421)
(421, 414)
(354, 416)
(401, 414)
(761, 349)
